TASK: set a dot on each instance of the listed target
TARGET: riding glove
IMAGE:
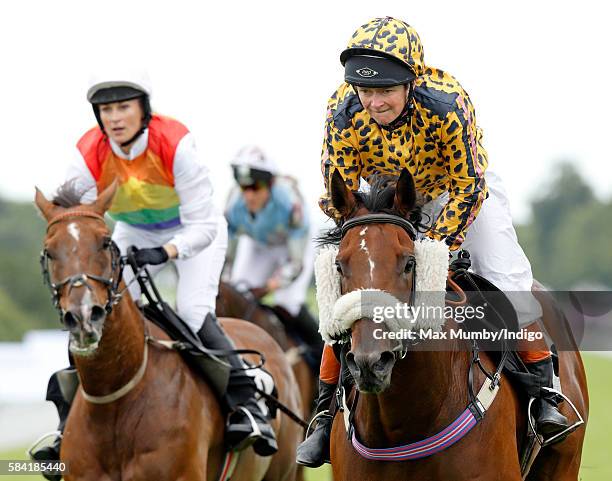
(152, 256)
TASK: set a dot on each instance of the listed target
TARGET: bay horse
(141, 412)
(409, 399)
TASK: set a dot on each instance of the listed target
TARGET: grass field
(597, 454)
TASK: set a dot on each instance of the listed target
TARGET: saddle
(189, 345)
(500, 314)
(208, 362)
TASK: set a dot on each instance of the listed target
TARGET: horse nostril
(386, 359)
(352, 365)
(71, 319)
(97, 314)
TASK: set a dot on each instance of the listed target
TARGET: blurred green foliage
(24, 301)
(569, 236)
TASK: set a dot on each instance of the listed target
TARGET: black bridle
(380, 219)
(81, 279)
(411, 230)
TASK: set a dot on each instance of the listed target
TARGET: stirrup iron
(545, 442)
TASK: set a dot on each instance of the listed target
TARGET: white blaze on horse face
(86, 305)
(364, 248)
(73, 230)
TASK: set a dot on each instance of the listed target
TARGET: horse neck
(119, 354)
(236, 304)
(428, 391)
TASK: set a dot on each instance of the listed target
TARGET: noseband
(79, 280)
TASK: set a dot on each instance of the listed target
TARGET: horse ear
(342, 198)
(105, 199)
(45, 206)
(405, 193)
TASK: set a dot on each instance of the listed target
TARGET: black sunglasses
(255, 187)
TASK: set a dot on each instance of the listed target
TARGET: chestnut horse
(407, 398)
(142, 413)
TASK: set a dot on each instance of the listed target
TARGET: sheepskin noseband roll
(337, 312)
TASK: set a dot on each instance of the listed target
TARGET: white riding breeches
(255, 263)
(494, 249)
(198, 276)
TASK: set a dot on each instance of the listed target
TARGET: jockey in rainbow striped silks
(164, 207)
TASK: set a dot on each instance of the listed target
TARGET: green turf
(597, 453)
(16, 454)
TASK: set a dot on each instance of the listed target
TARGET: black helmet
(382, 53)
(376, 71)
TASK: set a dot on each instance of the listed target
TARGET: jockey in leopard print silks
(435, 136)
(394, 112)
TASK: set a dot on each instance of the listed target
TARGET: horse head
(80, 263)
(376, 263)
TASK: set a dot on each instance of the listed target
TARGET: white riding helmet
(251, 165)
(117, 85)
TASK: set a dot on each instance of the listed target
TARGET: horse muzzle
(85, 324)
(371, 371)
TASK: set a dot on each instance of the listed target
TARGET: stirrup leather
(316, 417)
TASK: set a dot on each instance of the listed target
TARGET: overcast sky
(538, 73)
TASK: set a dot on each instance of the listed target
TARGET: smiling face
(121, 120)
(383, 104)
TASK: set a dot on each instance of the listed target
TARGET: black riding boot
(60, 390)
(247, 424)
(549, 421)
(314, 450)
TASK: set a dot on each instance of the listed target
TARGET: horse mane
(68, 194)
(379, 200)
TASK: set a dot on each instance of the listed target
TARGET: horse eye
(106, 243)
(338, 267)
(410, 263)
